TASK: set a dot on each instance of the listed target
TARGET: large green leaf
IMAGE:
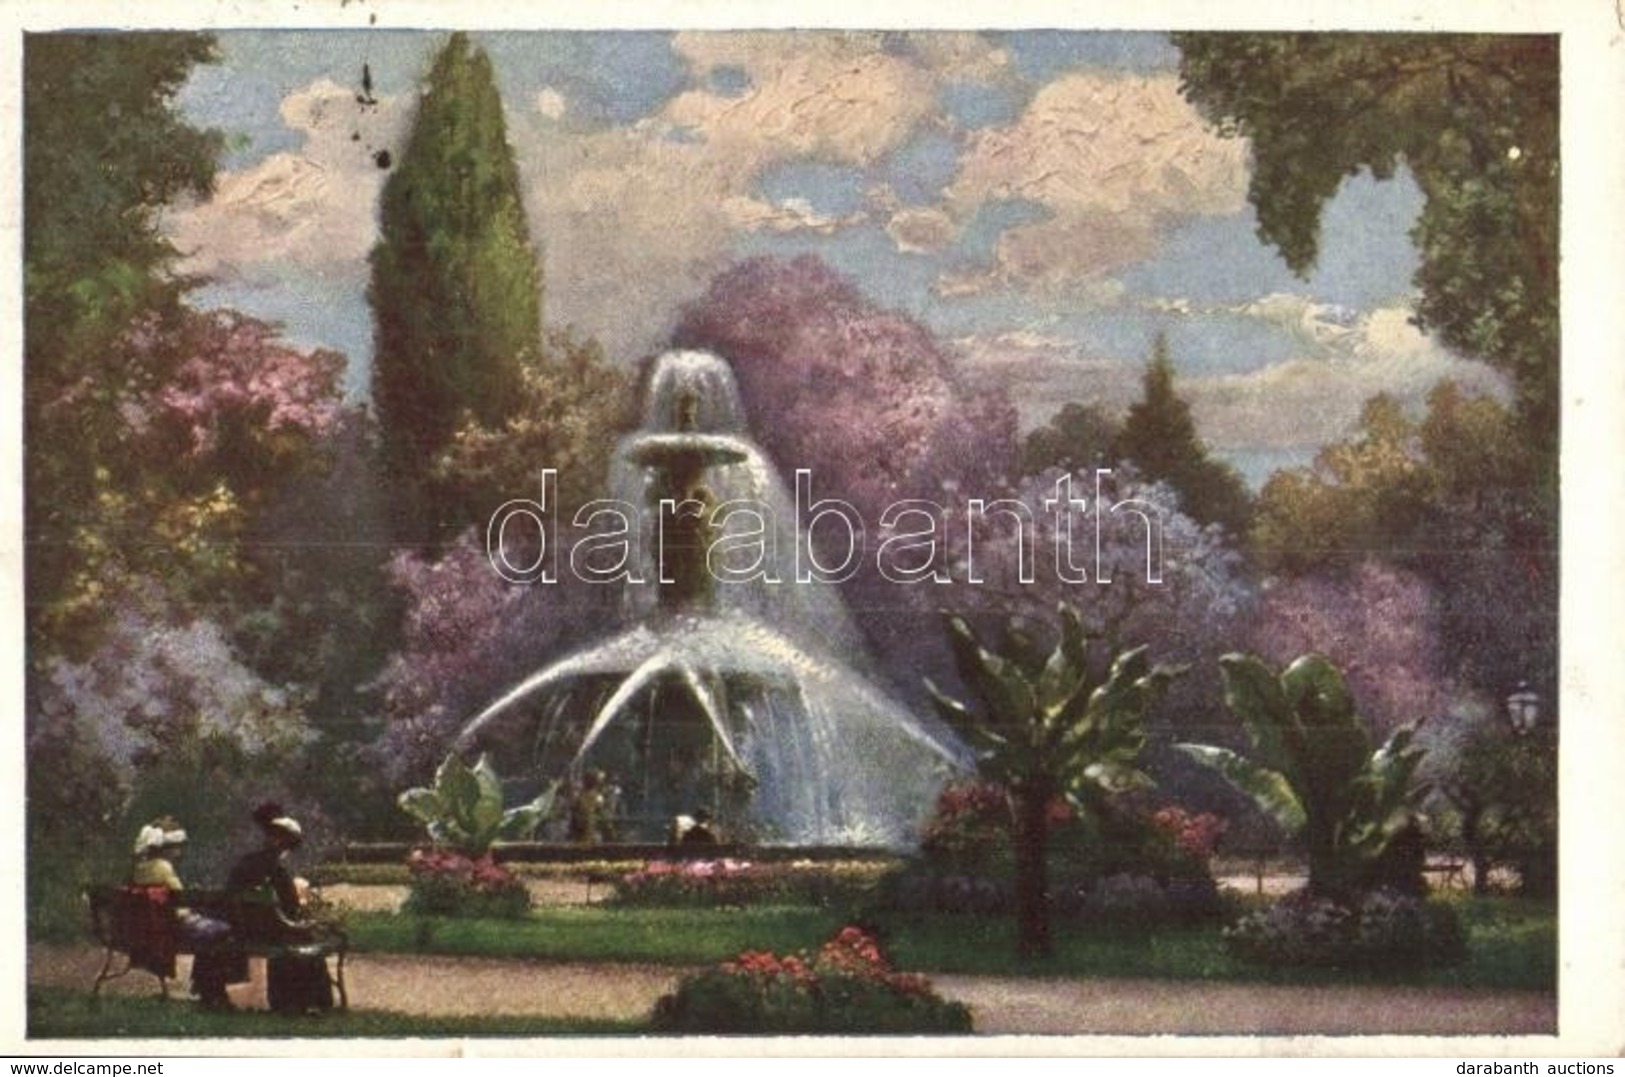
(1066, 672)
(520, 823)
(485, 820)
(1335, 747)
(1000, 683)
(1253, 694)
(424, 805)
(1386, 793)
(1116, 776)
(1315, 688)
(1133, 686)
(1269, 788)
(459, 791)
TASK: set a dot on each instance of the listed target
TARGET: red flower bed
(847, 987)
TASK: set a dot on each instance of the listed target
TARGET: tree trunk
(1477, 855)
(1031, 809)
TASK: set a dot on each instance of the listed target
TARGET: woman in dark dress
(295, 983)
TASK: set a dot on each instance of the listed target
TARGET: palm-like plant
(464, 807)
(1314, 771)
(1068, 723)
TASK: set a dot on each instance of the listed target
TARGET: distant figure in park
(695, 830)
(159, 844)
(612, 809)
(587, 810)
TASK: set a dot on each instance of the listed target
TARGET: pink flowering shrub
(448, 883)
(237, 376)
(1135, 866)
(969, 828)
(738, 883)
(848, 986)
(1194, 836)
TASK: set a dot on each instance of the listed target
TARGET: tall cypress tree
(1159, 436)
(455, 291)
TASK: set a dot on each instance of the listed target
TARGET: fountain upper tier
(748, 686)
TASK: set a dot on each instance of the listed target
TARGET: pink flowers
(481, 874)
(767, 965)
(236, 372)
(1196, 834)
(852, 952)
(847, 986)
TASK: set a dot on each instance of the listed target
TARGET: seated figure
(157, 847)
(271, 907)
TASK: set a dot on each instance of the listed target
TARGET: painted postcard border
(1592, 987)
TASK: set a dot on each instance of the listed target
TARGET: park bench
(1448, 874)
(138, 924)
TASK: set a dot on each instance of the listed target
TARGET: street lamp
(1523, 709)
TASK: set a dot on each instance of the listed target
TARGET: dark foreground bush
(848, 987)
(1383, 929)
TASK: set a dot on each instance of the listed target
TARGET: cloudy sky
(1045, 201)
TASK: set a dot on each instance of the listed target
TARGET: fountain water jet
(729, 696)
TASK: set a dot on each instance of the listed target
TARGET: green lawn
(577, 933)
(65, 1013)
(1513, 944)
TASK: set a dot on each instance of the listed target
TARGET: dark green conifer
(455, 291)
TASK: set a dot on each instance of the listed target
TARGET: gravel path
(448, 986)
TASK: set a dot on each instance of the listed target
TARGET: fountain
(739, 697)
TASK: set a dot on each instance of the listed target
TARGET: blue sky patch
(976, 104)
(922, 167)
(1041, 55)
(829, 189)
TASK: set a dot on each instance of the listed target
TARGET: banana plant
(1314, 771)
(464, 809)
(1067, 723)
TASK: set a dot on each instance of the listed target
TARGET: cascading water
(721, 694)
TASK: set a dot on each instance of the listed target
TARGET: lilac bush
(864, 397)
(468, 636)
(1381, 928)
(160, 680)
(1377, 622)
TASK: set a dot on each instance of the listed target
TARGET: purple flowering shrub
(866, 398)
(1379, 928)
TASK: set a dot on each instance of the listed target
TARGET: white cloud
(551, 103)
(1040, 372)
(315, 208)
(787, 215)
(1112, 159)
(1297, 405)
(637, 220)
(1315, 397)
(921, 230)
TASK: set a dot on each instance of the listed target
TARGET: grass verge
(575, 933)
(64, 1013)
(1512, 944)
